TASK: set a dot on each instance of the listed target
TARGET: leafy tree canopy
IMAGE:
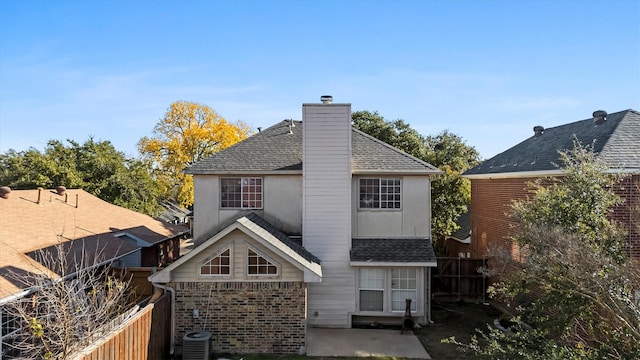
(450, 192)
(574, 285)
(95, 166)
(187, 133)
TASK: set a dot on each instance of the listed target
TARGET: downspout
(173, 313)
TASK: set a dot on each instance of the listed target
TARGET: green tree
(574, 286)
(187, 133)
(95, 166)
(451, 193)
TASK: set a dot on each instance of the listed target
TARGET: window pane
(258, 265)
(372, 279)
(399, 298)
(219, 265)
(371, 300)
(242, 193)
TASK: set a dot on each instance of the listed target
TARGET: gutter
(173, 313)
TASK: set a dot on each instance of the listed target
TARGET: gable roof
(390, 252)
(616, 141)
(267, 235)
(279, 149)
(90, 227)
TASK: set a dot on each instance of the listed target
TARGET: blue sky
(486, 70)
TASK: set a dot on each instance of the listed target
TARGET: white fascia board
(466, 240)
(245, 172)
(517, 174)
(164, 276)
(274, 244)
(393, 264)
(396, 172)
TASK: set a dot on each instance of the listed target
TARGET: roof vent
(4, 192)
(60, 190)
(599, 116)
(538, 130)
(326, 99)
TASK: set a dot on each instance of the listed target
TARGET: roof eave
(515, 174)
(394, 263)
(244, 172)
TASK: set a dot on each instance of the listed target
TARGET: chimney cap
(599, 116)
(326, 99)
(538, 130)
(4, 192)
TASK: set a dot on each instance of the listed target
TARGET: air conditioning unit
(195, 345)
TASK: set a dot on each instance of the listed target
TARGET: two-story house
(503, 178)
(306, 223)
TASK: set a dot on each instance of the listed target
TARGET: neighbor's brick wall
(491, 200)
(244, 317)
(628, 214)
(490, 206)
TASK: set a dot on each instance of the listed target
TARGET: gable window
(241, 193)
(218, 266)
(380, 193)
(258, 265)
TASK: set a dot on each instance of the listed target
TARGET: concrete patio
(364, 343)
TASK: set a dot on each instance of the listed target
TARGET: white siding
(327, 211)
(412, 220)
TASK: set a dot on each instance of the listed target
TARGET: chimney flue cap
(4, 192)
(599, 116)
(326, 99)
(538, 130)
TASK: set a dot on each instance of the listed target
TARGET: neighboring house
(498, 181)
(308, 223)
(458, 243)
(33, 222)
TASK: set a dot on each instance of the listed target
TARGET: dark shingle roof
(464, 222)
(616, 140)
(392, 250)
(279, 149)
(265, 225)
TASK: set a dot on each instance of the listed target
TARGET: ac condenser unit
(195, 345)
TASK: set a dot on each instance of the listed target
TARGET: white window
(241, 193)
(386, 290)
(371, 289)
(220, 265)
(380, 194)
(259, 265)
(403, 286)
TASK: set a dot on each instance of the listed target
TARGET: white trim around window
(379, 193)
(260, 265)
(385, 290)
(241, 192)
(220, 265)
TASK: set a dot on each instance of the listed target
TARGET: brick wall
(490, 206)
(491, 200)
(244, 317)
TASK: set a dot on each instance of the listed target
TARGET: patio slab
(364, 343)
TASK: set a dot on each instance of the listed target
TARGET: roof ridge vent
(599, 117)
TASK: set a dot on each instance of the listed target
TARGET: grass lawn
(454, 319)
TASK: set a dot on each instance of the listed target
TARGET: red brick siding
(491, 200)
(244, 317)
(490, 205)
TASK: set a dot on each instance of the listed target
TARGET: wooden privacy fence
(460, 278)
(145, 335)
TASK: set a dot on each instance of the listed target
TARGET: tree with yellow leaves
(187, 133)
